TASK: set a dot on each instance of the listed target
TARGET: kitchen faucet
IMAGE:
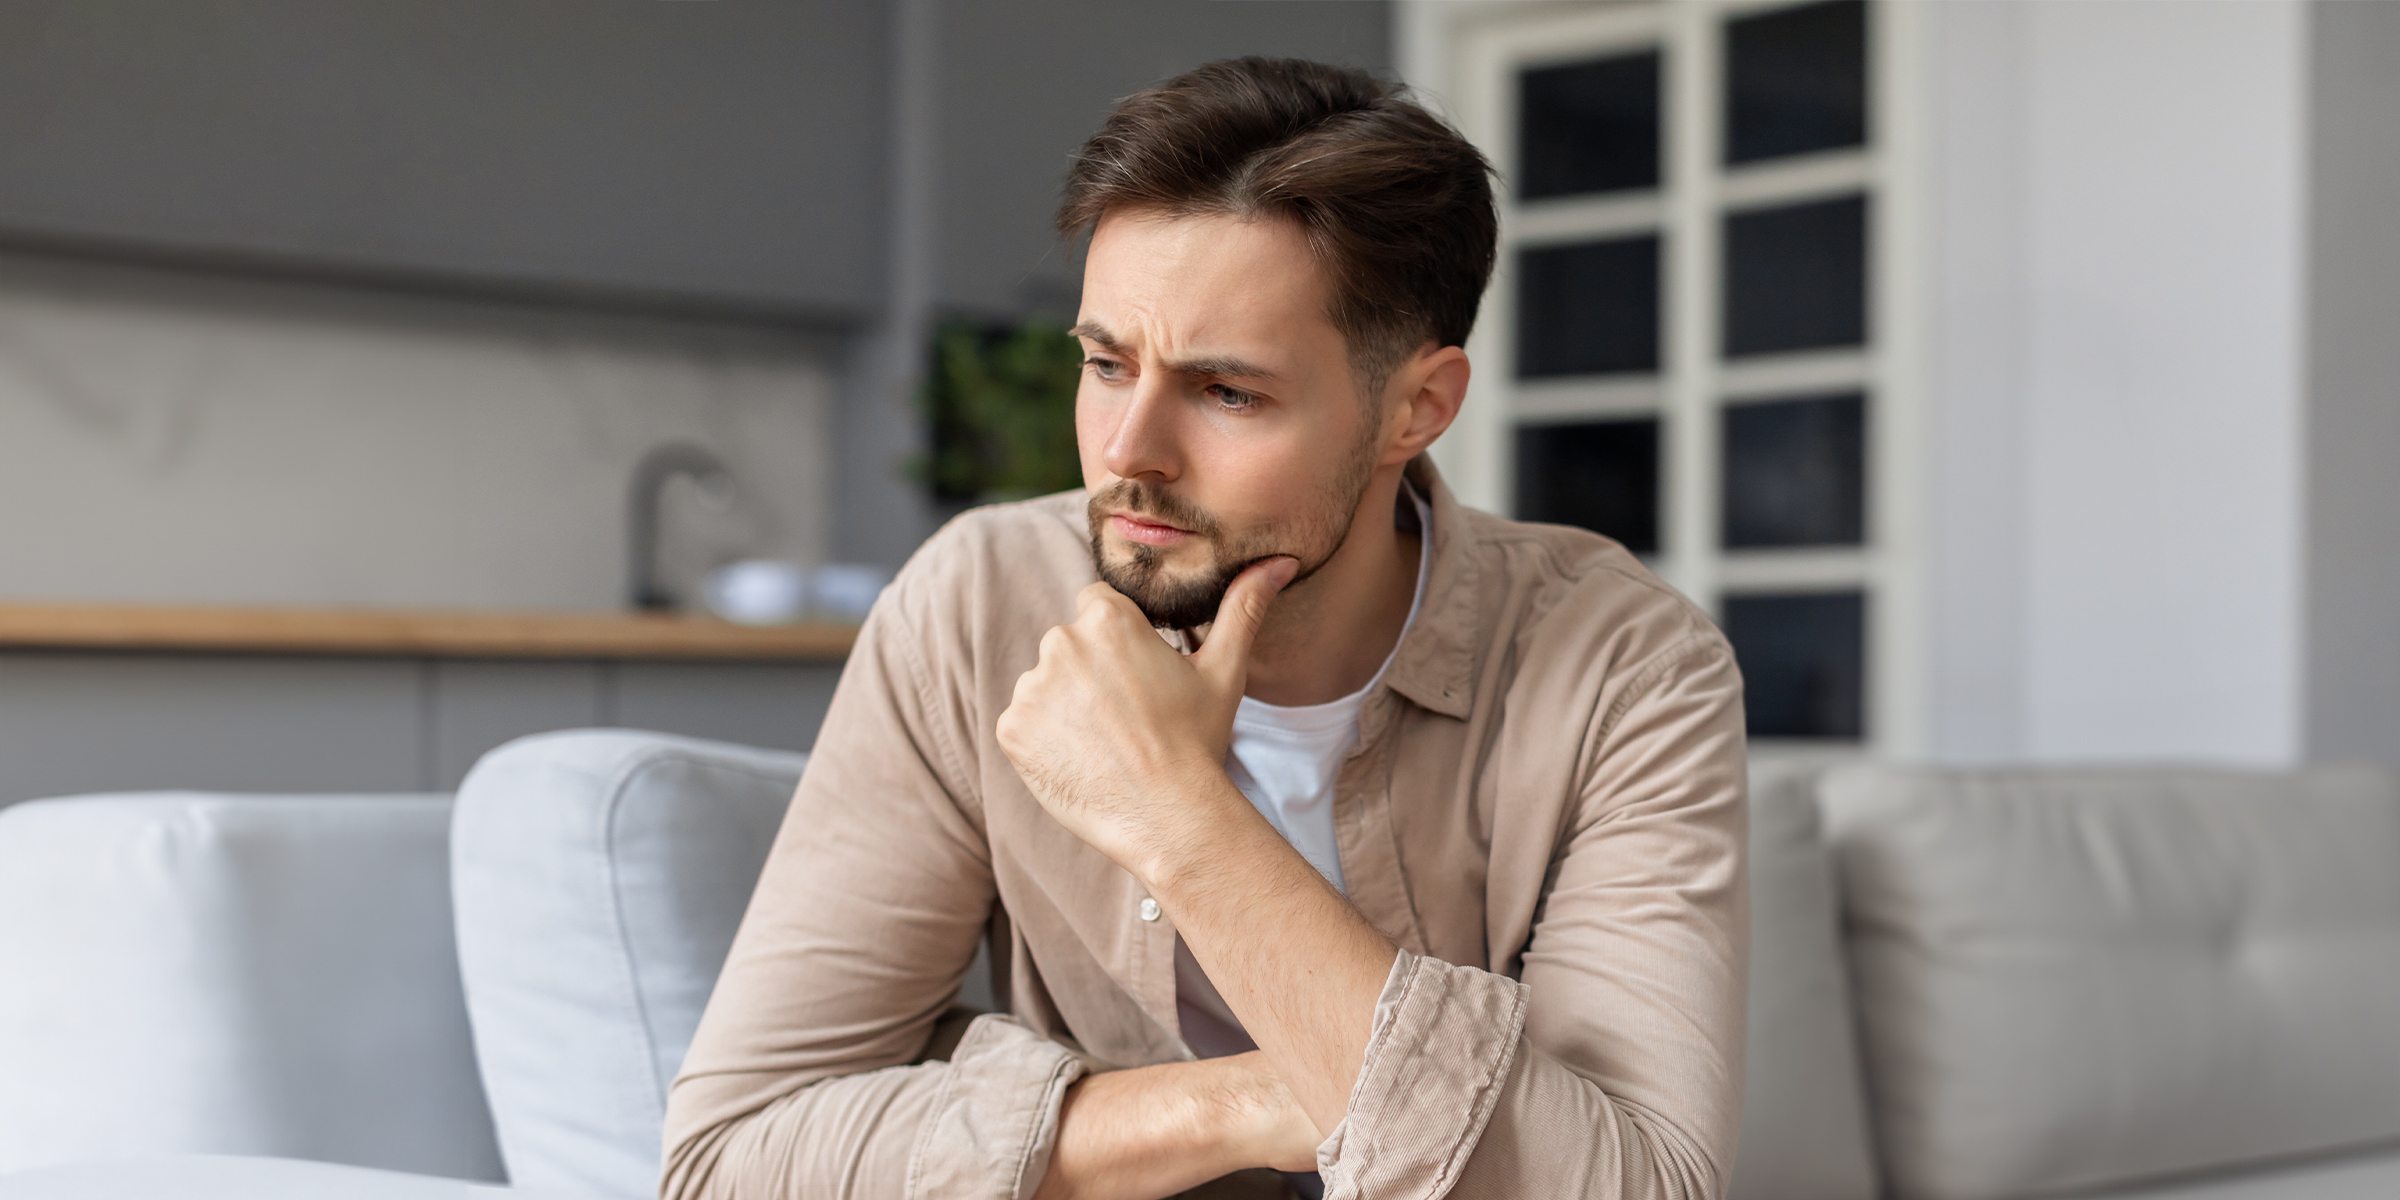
(650, 477)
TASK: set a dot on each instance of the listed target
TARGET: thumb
(1226, 654)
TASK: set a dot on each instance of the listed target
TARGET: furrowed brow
(1097, 333)
(1224, 368)
(1215, 366)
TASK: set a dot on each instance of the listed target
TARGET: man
(1406, 863)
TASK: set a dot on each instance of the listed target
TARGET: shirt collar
(1435, 663)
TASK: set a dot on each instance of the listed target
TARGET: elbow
(689, 1168)
(1677, 1167)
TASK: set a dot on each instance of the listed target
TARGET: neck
(1328, 634)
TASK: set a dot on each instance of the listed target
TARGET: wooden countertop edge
(412, 633)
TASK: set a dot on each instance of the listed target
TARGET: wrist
(1153, 1130)
(1237, 1113)
(1259, 1124)
(1215, 826)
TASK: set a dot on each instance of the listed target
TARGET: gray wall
(727, 154)
(2353, 455)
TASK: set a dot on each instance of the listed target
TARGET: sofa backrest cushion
(599, 876)
(2068, 979)
(1804, 1121)
(196, 973)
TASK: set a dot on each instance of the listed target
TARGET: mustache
(1152, 500)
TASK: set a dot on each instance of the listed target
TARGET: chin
(1169, 598)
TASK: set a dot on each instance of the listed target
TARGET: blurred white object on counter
(758, 591)
(845, 591)
(771, 591)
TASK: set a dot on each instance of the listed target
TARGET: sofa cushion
(1804, 1124)
(197, 973)
(2071, 979)
(599, 876)
(2371, 1176)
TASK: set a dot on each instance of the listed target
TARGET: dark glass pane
(1796, 472)
(1803, 660)
(1796, 81)
(1588, 127)
(1796, 277)
(1588, 309)
(1602, 475)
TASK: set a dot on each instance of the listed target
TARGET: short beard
(1190, 602)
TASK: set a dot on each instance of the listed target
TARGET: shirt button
(1149, 909)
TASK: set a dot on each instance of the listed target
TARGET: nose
(1143, 445)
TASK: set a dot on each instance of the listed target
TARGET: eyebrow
(1219, 366)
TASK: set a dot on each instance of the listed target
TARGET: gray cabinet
(710, 155)
(90, 722)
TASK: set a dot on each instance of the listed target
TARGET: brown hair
(1395, 204)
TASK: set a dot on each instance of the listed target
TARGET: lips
(1146, 531)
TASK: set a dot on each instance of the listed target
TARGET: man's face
(1217, 419)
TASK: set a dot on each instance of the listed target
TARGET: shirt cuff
(1438, 1056)
(996, 1117)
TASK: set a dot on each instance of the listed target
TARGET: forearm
(847, 1138)
(1158, 1130)
(1293, 959)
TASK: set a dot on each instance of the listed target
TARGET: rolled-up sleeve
(1443, 1043)
(993, 1122)
(1612, 1068)
(978, 1126)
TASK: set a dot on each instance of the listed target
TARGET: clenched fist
(1122, 739)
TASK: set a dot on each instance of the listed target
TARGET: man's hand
(1157, 1130)
(1111, 719)
(1273, 1129)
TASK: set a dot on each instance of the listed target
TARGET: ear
(1424, 396)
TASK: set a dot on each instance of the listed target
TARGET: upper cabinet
(729, 155)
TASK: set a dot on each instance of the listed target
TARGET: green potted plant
(1000, 400)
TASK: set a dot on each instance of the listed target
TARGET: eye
(1233, 399)
(1108, 369)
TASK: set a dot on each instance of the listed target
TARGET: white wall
(168, 437)
(2116, 390)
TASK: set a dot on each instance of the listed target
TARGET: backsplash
(173, 437)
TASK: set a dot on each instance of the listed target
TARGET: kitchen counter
(410, 633)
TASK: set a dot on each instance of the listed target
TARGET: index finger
(1098, 593)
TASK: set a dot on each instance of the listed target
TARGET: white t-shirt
(1285, 760)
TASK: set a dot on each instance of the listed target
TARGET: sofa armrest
(199, 973)
(599, 877)
(1804, 1108)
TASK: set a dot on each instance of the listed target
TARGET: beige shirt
(1544, 812)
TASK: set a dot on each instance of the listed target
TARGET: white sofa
(2177, 985)
(235, 974)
